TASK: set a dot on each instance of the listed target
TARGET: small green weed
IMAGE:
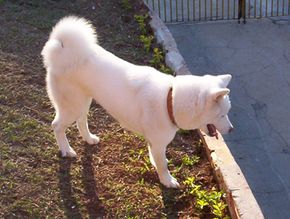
(210, 199)
(158, 57)
(141, 20)
(142, 161)
(147, 41)
(189, 181)
(187, 163)
(136, 154)
(140, 137)
(146, 165)
(165, 69)
(190, 161)
(126, 4)
(157, 61)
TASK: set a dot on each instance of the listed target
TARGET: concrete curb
(173, 58)
(240, 199)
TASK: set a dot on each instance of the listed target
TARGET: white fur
(78, 70)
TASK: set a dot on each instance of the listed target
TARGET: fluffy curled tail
(70, 42)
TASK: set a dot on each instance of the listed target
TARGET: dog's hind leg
(82, 124)
(60, 123)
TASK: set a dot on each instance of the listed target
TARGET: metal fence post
(242, 11)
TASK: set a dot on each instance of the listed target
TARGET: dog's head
(203, 103)
(218, 106)
(217, 114)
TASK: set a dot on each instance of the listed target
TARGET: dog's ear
(225, 79)
(217, 94)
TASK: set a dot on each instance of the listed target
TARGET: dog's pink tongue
(212, 130)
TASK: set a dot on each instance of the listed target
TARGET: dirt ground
(113, 179)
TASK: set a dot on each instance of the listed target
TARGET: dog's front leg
(83, 128)
(158, 159)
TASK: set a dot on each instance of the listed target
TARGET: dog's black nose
(231, 129)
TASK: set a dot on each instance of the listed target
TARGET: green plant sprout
(190, 161)
(211, 199)
(147, 41)
(126, 4)
(158, 57)
(141, 21)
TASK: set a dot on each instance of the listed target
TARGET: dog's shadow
(93, 204)
(70, 204)
(169, 197)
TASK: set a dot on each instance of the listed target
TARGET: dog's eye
(223, 116)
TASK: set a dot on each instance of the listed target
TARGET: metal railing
(208, 10)
(267, 8)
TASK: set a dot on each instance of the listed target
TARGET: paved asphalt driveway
(258, 56)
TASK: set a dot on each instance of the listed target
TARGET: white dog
(141, 98)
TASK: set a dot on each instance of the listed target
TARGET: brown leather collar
(170, 106)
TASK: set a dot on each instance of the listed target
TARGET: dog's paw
(69, 152)
(93, 139)
(169, 181)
